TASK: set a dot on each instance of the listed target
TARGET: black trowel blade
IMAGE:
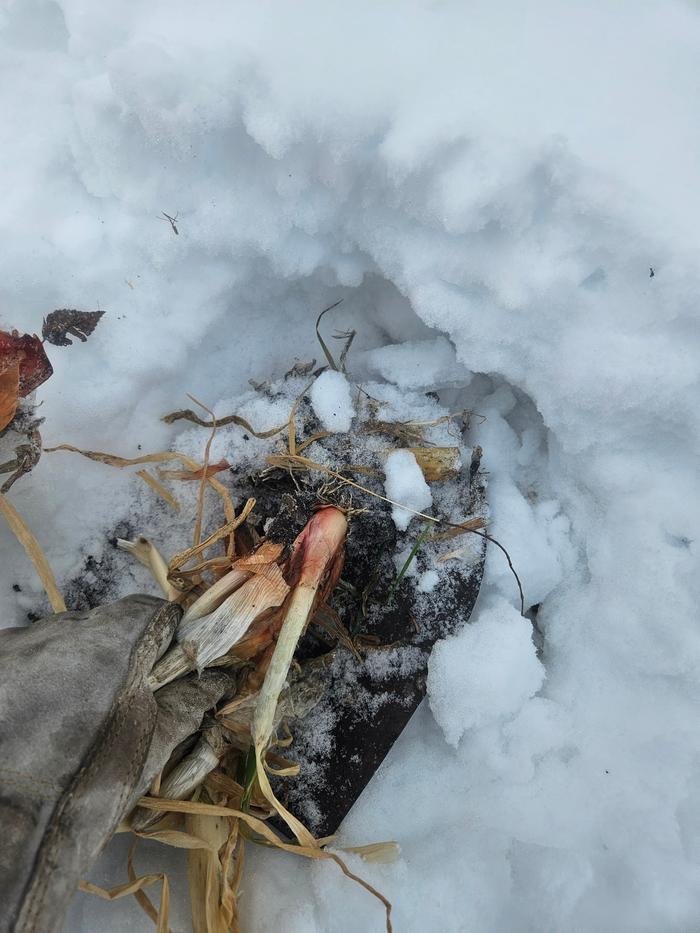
(369, 701)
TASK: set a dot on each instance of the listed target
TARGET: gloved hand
(81, 738)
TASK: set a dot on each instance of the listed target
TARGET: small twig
(171, 221)
(348, 337)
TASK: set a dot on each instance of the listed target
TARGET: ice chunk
(484, 673)
(332, 401)
(405, 483)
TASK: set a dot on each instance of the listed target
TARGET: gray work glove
(81, 738)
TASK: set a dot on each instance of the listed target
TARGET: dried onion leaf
(259, 826)
(34, 552)
(158, 487)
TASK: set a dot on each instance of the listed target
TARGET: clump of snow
(332, 401)
(417, 363)
(404, 482)
(427, 581)
(485, 672)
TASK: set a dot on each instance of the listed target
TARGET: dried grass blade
(148, 554)
(135, 887)
(288, 769)
(34, 552)
(379, 853)
(159, 488)
(177, 839)
(142, 899)
(186, 414)
(401, 431)
(212, 563)
(328, 354)
(463, 528)
(119, 462)
(119, 890)
(220, 783)
(291, 429)
(166, 456)
(177, 560)
(189, 475)
(311, 440)
(203, 483)
(231, 873)
(205, 873)
(260, 827)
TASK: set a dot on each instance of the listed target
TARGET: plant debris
(188, 475)
(24, 366)
(437, 463)
(26, 458)
(34, 551)
(298, 590)
(324, 347)
(186, 414)
(59, 324)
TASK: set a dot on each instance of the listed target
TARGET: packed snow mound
(507, 180)
(332, 402)
(404, 483)
(415, 363)
(485, 673)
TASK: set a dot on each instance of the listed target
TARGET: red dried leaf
(9, 386)
(26, 350)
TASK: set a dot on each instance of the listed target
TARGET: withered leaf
(59, 324)
(9, 392)
(27, 351)
(34, 366)
(211, 470)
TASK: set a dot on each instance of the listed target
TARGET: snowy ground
(488, 186)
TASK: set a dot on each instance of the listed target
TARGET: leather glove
(81, 738)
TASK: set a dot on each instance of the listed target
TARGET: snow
(416, 363)
(404, 483)
(428, 581)
(484, 674)
(493, 178)
(332, 402)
